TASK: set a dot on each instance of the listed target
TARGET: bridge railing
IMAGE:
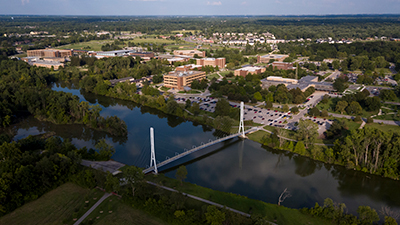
(185, 153)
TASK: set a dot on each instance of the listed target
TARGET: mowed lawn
(51, 208)
(94, 45)
(117, 212)
(63, 204)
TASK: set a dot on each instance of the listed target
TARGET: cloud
(24, 2)
(214, 3)
(244, 3)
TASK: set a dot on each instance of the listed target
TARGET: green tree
(134, 177)
(354, 108)
(222, 108)
(314, 111)
(373, 103)
(294, 109)
(340, 84)
(387, 95)
(307, 131)
(258, 96)
(336, 64)
(285, 108)
(214, 216)
(341, 106)
(367, 215)
(299, 148)
(105, 150)
(181, 173)
(268, 104)
(112, 183)
(389, 221)
(324, 113)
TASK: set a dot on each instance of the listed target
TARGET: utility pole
(297, 69)
(153, 153)
(241, 124)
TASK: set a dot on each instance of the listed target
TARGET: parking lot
(268, 116)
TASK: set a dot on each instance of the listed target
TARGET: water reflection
(264, 173)
(242, 167)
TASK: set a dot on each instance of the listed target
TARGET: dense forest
(24, 90)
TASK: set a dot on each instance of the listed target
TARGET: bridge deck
(183, 154)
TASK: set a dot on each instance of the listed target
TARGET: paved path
(106, 195)
(362, 125)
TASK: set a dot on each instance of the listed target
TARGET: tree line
(24, 90)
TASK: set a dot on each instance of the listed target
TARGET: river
(239, 166)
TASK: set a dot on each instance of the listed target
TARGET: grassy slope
(279, 214)
(63, 204)
(51, 208)
(384, 127)
(120, 214)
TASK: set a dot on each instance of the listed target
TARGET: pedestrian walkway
(106, 195)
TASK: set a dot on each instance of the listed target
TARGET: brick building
(249, 69)
(283, 66)
(49, 53)
(190, 53)
(179, 80)
(267, 58)
(220, 62)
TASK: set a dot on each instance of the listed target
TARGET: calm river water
(241, 167)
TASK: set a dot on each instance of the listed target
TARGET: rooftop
(183, 74)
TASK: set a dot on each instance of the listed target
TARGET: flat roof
(184, 74)
(48, 63)
(250, 68)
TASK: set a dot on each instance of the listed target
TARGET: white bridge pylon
(241, 123)
(153, 153)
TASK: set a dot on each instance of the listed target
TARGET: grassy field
(114, 211)
(278, 214)
(384, 127)
(183, 31)
(213, 75)
(59, 206)
(257, 136)
(94, 45)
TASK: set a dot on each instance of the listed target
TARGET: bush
(370, 120)
(357, 119)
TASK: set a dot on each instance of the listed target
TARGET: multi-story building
(220, 62)
(180, 80)
(302, 84)
(55, 65)
(190, 53)
(48, 53)
(188, 67)
(283, 66)
(267, 58)
(249, 69)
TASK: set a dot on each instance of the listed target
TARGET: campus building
(180, 80)
(249, 69)
(188, 67)
(190, 53)
(283, 66)
(49, 53)
(267, 58)
(48, 64)
(220, 62)
(302, 84)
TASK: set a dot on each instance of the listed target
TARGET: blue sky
(198, 7)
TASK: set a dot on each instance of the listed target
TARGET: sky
(198, 7)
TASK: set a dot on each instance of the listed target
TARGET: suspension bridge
(154, 165)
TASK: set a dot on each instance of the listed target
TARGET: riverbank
(271, 212)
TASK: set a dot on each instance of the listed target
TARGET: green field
(257, 136)
(384, 127)
(59, 206)
(183, 31)
(68, 202)
(114, 211)
(94, 45)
